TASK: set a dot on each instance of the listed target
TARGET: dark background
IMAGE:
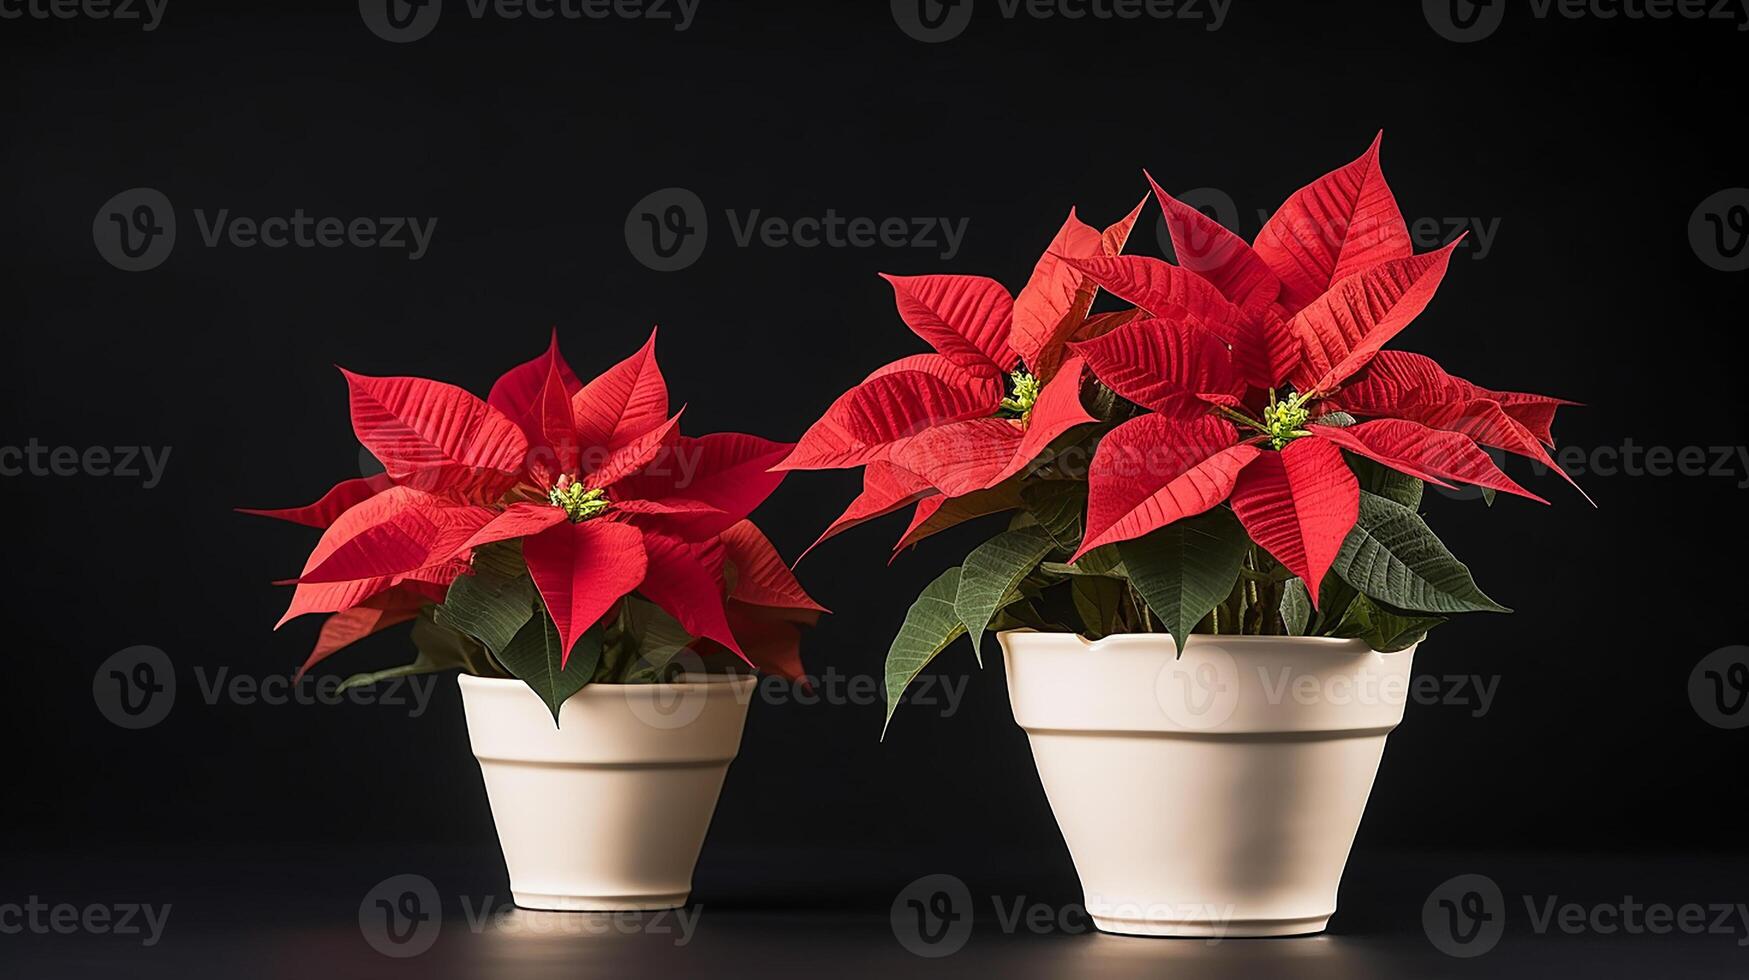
(1591, 142)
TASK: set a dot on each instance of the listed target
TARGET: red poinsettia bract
(998, 389)
(607, 497)
(1243, 353)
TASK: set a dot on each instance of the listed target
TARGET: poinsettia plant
(558, 532)
(1231, 452)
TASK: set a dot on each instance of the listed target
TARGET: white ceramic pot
(608, 810)
(1213, 794)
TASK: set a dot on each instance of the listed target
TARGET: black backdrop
(1585, 145)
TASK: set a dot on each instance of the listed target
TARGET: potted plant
(1215, 573)
(592, 574)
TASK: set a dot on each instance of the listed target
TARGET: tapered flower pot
(1215, 794)
(608, 810)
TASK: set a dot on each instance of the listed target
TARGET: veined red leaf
(1299, 504)
(1057, 410)
(1413, 386)
(434, 436)
(930, 364)
(679, 580)
(863, 423)
(312, 597)
(885, 488)
(378, 613)
(515, 393)
(1165, 291)
(1205, 247)
(961, 457)
(631, 456)
(1117, 234)
(424, 531)
(550, 427)
(519, 520)
(730, 471)
(1398, 382)
(335, 502)
(761, 576)
(581, 570)
(1332, 228)
(1344, 328)
(938, 513)
(1162, 363)
(966, 318)
(626, 402)
(1427, 454)
(768, 642)
(1049, 308)
(1153, 470)
(1100, 324)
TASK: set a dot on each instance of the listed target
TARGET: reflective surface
(327, 915)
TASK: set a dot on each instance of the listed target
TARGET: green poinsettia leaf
(653, 638)
(930, 625)
(1392, 556)
(440, 648)
(1058, 507)
(1376, 478)
(495, 602)
(1296, 608)
(1385, 630)
(1100, 561)
(536, 655)
(1187, 568)
(1099, 601)
(992, 573)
